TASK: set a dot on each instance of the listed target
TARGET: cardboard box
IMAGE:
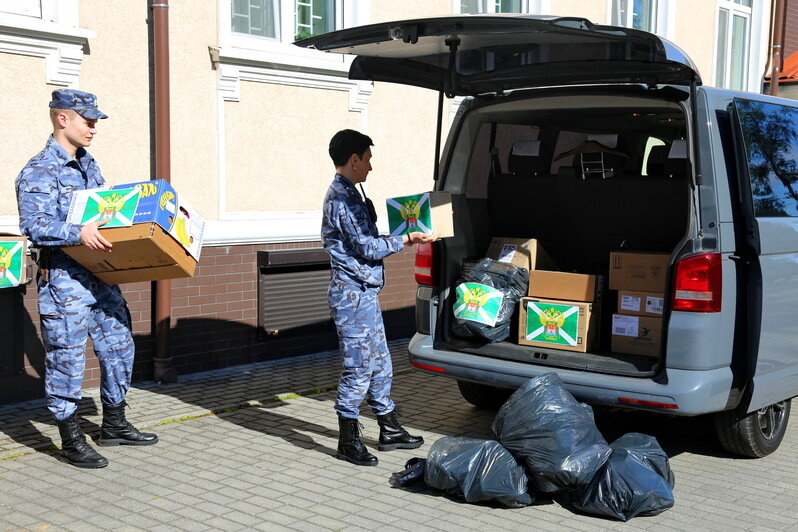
(636, 335)
(478, 302)
(160, 203)
(564, 285)
(522, 252)
(632, 303)
(644, 272)
(430, 212)
(567, 325)
(142, 252)
(116, 207)
(13, 260)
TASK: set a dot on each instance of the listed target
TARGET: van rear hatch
(472, 55)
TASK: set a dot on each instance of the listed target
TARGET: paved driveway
(252, 447)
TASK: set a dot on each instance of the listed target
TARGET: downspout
(777, 46)
(163, 370)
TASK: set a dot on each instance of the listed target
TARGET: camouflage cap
(83, 103)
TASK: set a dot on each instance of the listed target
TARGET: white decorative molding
(61, 46)
(9, 224)
(263, 227)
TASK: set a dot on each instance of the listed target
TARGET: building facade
(251, 116)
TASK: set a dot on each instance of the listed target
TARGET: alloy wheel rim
(770, 419)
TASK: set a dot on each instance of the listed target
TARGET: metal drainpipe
(777, 45)
(163, 370)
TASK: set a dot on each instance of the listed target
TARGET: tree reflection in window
(770, 133)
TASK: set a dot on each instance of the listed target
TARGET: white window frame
(490, 7)
(54, 36)
(733, 9)
(664, 16)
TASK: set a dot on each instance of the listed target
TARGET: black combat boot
(393, 436)
(74, 447)
(350, 448)
(116, 430)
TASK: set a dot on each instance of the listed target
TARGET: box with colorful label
(117, 208)
(634, 303)
(13, 260)
(141, 252)
(523, 252)
(564, 285)
(430, 212)
(644, 272)
(157, 202)
(567, 325)
(161, 204)
(478, 302)
(636, 335)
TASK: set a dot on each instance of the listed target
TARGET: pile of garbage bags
(548, 442)
(510, 280)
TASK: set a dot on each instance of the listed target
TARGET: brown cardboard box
(632, 303)
(563, 285)
(566, 325)
(523, 252)
(645, 272)
(13, 260)
(636, 335)
(141, 252)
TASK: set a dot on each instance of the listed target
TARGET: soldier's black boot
(74, 447)
(393, 436)
(350, 448)
(116, 430)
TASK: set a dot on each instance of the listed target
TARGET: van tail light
(424, 264)
(698, 283)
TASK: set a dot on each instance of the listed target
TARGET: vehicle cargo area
(583, 184)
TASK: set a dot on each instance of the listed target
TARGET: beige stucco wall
(387, 10)
(593, 10)
(24, 119)
(695, 34)
(116, 70)
(276, 140)
(192, 28)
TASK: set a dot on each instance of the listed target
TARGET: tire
(482, 395)
(756, 435)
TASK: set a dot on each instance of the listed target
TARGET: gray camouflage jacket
(44, 188)
(351, 239)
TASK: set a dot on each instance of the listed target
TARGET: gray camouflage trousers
(73, 306)
(368, 370)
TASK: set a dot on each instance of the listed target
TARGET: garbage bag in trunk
(635, 480)
(552, 434)
(486, 296)
(477, 470)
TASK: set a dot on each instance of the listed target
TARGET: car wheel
(756, 435)
(482, 395)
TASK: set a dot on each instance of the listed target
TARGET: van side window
(770, 135)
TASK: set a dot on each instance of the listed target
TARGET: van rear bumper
(693, 392)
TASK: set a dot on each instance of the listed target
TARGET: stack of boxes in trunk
(640, 279)
(561, 309)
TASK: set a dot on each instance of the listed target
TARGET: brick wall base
(213, 325)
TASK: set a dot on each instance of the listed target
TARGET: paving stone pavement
(252, 448)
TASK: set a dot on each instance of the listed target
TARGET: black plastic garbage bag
(552, 434)
(477, 470)
(636, 480)
(475, 306)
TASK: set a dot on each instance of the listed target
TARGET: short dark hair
(345, 143)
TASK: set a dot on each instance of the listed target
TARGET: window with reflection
(770, 135)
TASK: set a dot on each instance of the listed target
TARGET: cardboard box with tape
(13, 260)
(567, 325)
(429, 212)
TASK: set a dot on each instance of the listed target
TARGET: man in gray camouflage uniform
(349, 235)
(73, 303)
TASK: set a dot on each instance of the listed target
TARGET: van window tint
(770, 134)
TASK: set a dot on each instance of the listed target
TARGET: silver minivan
(707, 176)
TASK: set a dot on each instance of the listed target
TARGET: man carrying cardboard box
(349, 235)
(73, 303)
